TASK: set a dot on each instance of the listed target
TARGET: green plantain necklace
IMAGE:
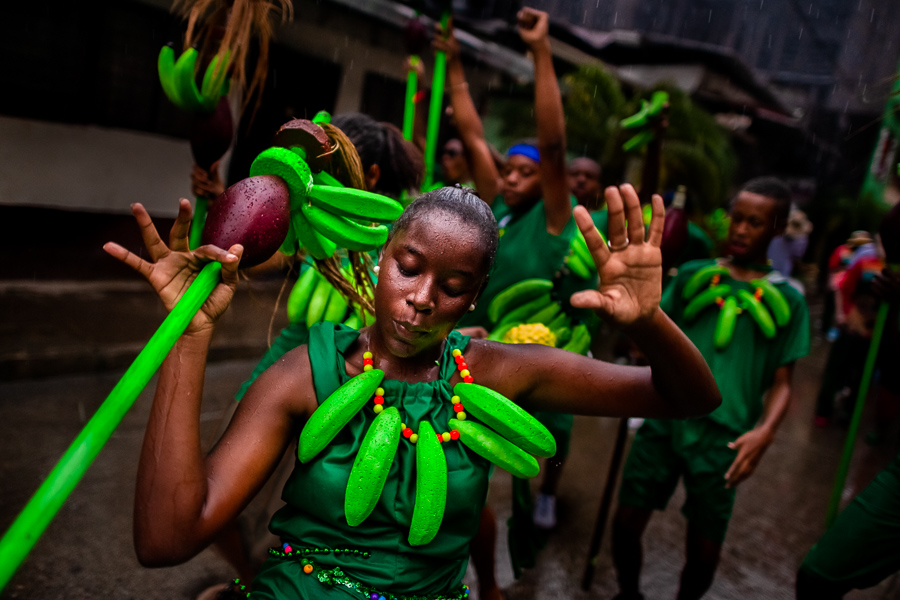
(501, 432)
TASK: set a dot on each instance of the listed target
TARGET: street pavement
(87, 550)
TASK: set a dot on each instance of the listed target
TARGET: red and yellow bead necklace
(408, 433)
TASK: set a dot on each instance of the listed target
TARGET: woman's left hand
(630, 267)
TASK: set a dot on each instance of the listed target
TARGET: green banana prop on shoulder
(767, 306)
(431, 487)
(752, 305)
(495, 448)
(507, 418)
(701, 278)
(371, 466)
(726, 323)
(775, 300)
(335, 412)
(713, 295)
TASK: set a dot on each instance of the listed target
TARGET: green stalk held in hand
(50, 496)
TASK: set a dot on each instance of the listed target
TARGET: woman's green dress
(314, 515)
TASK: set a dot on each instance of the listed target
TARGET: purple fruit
(416, 36)
(254, 212)
(211, 135)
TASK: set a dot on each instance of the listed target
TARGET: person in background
(855, 318)
(531, 201)
(787, 249)
(715, 453)
(584, 182)
(862, 547)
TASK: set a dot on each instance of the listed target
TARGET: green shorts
(697, 449)
(560, 427)
(862, 548)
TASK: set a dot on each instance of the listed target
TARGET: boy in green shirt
(715, 453)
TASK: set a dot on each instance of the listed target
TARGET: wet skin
(430, 275)
(521, 182)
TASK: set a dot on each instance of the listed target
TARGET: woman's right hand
(172, 268)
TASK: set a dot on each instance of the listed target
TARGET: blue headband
(526, 150)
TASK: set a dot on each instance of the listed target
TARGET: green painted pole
(434, 109)
(200, 209)
(25, 531)
(838, 490)
(409, 112)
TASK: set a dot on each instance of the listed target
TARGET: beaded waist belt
(336, 576)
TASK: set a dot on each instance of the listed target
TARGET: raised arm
(183, 498)
(471, 131)
(551, 125)
(678, 382)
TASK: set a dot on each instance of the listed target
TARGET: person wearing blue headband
(530, 200)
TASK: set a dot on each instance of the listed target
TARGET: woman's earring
(471, 307)
(376, 269)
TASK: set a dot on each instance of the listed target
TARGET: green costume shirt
(527, 250)
(314, 515)
(745, 369)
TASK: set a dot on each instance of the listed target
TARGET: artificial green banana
(560, 320)
(639, 141)
(317, 245)
(335, 412)
(578, 267)
(495, 448)
(183, 79)
(657, 102)
(356, 204)
(371, 466)
(638, 119)
(545, 315)
(318, 302)
(298, 300)
(775, 300)
(213, 85)
(166, 66)
(563, 335)
(701, 278)
(759, 313)
(345, 232)
(581, 340)
(289, 245)
(706, 298)
(352, 321)
(497, 334)
(507, 418)
(519, 314)
(337, 307)
(726, 323)
(431, 487)
(516, 295)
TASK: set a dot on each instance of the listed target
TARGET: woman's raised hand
(630, 267)
(172, 268)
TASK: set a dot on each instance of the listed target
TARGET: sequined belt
(336, 576)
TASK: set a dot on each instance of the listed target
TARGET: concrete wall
(90, 168)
